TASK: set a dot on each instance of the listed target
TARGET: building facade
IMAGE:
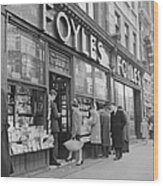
(146, 28)
(87, 51)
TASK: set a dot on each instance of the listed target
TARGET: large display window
(119, 94)
(124, 96)
(25, 56)
(100, 84)
(129, 100)
(83, 77)
(26, 119)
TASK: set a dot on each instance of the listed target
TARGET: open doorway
(62, 85)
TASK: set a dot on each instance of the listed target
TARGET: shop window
(100, 84)
(26, 106)
(25, 56)
(129, 102)
(26, 119)
(126, 33)
(119, 94)
(84, 105)
(134, 44)
(83, 77)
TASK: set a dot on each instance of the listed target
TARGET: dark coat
(126, 134)
(118, 121)
(54, 118)
(105, 127)
(5, 157)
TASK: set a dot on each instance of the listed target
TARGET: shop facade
(57, 50)
(127, 92)
(147, 94)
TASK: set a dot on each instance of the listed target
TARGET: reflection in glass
(25, 56)
(119, 94)
(129, 97)
(83, 78)
(100, 84)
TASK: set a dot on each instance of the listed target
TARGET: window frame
(126, 34)
(117, 23)
(134, 43)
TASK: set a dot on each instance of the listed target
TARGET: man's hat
(53, 92)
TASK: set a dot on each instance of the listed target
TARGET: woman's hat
(74, 103)
(53, 92)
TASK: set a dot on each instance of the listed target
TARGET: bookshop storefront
(127, 91)
(67, 57)
(83, 64)
(27, 97)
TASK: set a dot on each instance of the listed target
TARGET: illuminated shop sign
(75, 36)
(128, 71)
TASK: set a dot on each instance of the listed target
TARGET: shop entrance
(62, 85)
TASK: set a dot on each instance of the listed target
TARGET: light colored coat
(94, 122)
(105, 127)
(76, 122)
(144, 129)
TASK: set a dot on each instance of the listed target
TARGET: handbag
(73, 145)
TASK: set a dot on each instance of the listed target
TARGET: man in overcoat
(118, 121)
(54, 115)
(76, 131)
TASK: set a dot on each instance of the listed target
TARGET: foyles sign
(128, 71)
(68, 30)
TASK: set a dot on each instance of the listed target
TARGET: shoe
(78, 164)
(115, 159)
(56, 163)
(68, 159)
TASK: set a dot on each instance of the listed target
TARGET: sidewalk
(136, 165)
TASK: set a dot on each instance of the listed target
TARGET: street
(136, 165)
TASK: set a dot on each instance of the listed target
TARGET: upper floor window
(88, 8)
(91, 10)
(133, 5)
(126, 33)
(83, 6)
(117, 22)
(134, 43)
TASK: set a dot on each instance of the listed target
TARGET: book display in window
(64, 113)
(26, 119)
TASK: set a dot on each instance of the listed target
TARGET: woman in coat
(145, 130)
(94, 122)
(76, 131)
(105, 130)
